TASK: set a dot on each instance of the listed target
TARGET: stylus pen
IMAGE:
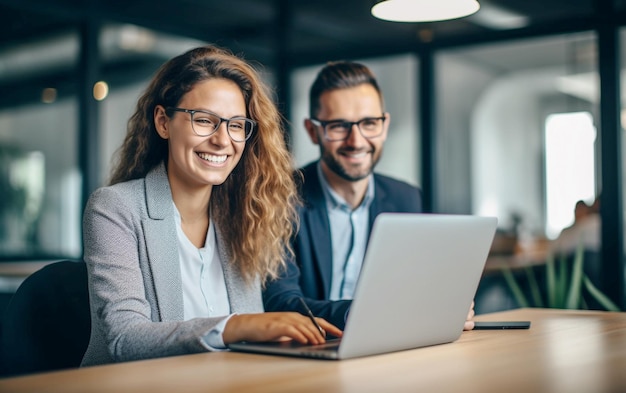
(312, 317)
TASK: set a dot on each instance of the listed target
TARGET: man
(341, 194)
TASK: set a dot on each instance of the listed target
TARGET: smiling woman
(198, 214)
(202, 153)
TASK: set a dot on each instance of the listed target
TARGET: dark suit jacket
(309, 275)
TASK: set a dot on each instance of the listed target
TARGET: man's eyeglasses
(205, 123)
(339, 130)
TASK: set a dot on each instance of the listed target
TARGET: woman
(198, 213)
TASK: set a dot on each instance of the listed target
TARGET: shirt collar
(335, 201)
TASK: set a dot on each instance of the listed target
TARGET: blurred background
(513, 112)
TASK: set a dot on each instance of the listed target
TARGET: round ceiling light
(423, 10)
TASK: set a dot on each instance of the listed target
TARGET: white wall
(507, 153)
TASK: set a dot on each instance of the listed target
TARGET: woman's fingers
(273, 326)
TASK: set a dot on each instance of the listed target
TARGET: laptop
(419, 277)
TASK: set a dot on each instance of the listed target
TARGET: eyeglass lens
(369, 127)
(205, 124)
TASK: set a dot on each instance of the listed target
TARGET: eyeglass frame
(222, 119)
(324, 123)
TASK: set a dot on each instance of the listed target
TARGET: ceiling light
(49, 95)
(100, 90)
(423, 10)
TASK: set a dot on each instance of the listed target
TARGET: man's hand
(469, 322)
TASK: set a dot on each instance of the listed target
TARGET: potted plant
(565, 284)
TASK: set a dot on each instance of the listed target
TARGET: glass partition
(516, 139)
(40, 176)
(622, 57)
(131, 55)
(40, 181)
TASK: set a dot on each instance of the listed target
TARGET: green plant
(565, 284)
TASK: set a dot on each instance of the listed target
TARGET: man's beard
(336, 167)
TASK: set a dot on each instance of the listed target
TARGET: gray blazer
(135, 286)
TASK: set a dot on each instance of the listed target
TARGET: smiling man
(341, 193)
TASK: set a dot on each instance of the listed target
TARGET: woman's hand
(272, 326)
(469, 322)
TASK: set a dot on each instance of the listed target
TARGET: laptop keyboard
(328, 345)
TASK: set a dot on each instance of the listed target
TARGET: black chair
(47, 323)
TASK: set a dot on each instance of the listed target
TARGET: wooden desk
(563, 351)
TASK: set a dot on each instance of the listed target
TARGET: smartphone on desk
(481, 325)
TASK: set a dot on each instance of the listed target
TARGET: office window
(40, 181)
(40, 176)
(570, 167)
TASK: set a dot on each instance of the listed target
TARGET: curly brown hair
(255, 208)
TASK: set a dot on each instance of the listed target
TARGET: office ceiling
(277, 33)
(303, 29)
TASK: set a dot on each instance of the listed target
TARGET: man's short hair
(340, 75)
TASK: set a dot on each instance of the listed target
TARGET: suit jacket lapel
(162, 245)
(381, 203)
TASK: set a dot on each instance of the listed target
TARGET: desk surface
(563, 351)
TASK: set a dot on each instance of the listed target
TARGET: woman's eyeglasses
(205, 123)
